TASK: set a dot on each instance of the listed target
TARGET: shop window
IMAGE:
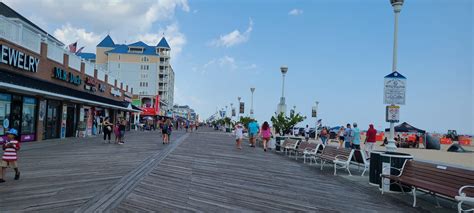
(5, 101)
(28, 116)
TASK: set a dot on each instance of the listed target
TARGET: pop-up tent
(405, 127)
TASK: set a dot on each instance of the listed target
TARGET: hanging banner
(392, 114)
(233, 111)
(242, 108)
(314, 112)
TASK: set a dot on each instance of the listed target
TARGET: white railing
(56, 52)
(111, 80)
(100, 74)
(89, 68)
(75, 62)
(20, 35)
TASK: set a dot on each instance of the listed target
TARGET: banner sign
(18, 59)
(233, 111)
(392, 114)
(314, 112)
(395, 89)
(242, 108)
(115, 92)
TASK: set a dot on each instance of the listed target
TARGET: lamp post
(282, 106)
(397, 7)
(252, 90)
(316, 116)
(231, 109)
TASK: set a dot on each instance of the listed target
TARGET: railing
(100, 74)
(20, 35)
(166, 54)
(56, 52)
(89, 68)
(75, 62)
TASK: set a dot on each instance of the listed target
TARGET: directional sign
(392, 114)
(395, 86)
(314, 112)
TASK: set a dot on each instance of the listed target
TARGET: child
(117, 133)
(239, 134)
(9, 159)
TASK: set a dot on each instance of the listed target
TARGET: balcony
(16, 33)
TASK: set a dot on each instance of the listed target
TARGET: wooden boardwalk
(206, 173)
(198, 172)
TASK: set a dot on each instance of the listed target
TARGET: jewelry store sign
(395, 85)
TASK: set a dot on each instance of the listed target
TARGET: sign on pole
(242, 107)
(395, 85)
(392, 114)
(233, 112)
(314, 112)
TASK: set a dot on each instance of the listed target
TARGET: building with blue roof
(147, 69)
(87, 56)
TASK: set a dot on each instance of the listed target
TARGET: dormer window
(135, 49)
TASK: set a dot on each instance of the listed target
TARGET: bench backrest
(290, 142)
(332, 152)
(446, 178)
(359, 157)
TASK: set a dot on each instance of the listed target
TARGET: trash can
(279, 140)
(375, 168)
(389, 161)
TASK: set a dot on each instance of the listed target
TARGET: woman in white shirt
(239, 134)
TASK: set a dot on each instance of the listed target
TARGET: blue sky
(337, 51)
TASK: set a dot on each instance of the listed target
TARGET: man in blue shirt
(355, 137)
(347, 136)
(253, 132)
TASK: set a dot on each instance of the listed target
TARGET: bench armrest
(385, 169)
(461, 194)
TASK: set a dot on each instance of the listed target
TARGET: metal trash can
(389, 161)
(278, 141)
(375, 168)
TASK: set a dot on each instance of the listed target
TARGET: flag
(79, 51)
(72, 47)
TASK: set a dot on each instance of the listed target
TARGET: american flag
(79, 51)
(73, 47)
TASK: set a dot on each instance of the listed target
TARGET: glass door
(52, 120)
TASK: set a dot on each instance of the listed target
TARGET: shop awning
(23, 84)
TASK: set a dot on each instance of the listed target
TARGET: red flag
(79, 51)
(72, 47)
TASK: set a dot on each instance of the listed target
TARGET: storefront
(19, 112)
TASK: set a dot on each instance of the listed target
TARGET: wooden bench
(312, 152)
(341, 158)
(360, 159)
(300, 149)
(450, 182)
(288, 144)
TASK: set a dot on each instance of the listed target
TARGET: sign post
(395, 85)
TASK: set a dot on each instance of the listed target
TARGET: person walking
(107, 129)
(306, 133)
(324, 135)
(266, 134)
(117, 132)
(122, 127)
(239, 134)
(9, 159)
(165, 131)
(253, 131)
(355, 135)
(370, 139)
(347, 136)
(340, 135)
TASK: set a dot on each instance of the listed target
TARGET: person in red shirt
(9, 158)
(370, 139)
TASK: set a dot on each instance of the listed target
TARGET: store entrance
(70, 121)
(52, 120)
(16, 112)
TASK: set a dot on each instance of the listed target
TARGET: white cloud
(224, 64)
(124, 20)
(233, 38)
(295, 12)
(69, 34)
(175, 38)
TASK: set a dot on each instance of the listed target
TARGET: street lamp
(252, 89)
(282, 106)
(231, 110)
(397, 7)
